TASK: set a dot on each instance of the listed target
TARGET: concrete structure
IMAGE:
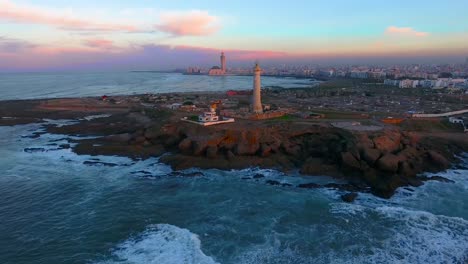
(442, 115)
(257, 107)
(392, 82)
(223, 62)
(359, 74)
(455, 120)
(209, 116)
(406, 84)
(216, 70)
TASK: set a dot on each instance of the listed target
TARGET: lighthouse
(223, 62)
(257, 94)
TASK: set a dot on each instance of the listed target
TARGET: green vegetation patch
(158, 114)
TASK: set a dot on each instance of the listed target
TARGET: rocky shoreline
(381, 161)
(371, 161)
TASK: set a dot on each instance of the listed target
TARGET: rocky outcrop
(349, 197)
(379, 161)
(389, 163)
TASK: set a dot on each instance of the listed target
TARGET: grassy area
(193, 118)
(157, 114)
(329, 114)
(285, 118)
(337, 84)
(430, 125)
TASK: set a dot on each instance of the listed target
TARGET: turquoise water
(53, 85)
(55, 209)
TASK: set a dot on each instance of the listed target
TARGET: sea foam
(161, 244)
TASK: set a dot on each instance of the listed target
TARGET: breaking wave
(161, 244)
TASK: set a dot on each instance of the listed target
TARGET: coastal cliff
(375, 161)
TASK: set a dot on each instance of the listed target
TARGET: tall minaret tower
(223, 62)
(257, 94)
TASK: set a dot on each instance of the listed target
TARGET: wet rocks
(370, 155)
(318, 166)
(388, 142)
(211, 152)
(185, 146)
(389, 163)
(308, 185)
(349, 197)
(381, 160)
(437, 178)
(34, 150)
(350, 161)
(272, 182)
(187, 174)
(258, 176)
(100, 163)
(439, 160)
(119, 138)
(64, 146)
(34, 135)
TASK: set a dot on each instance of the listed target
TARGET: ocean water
(56, 209)
(58, 85)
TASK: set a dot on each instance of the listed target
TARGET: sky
(45, 35)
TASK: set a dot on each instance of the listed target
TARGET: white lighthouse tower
(257, 94)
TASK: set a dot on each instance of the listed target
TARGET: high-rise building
(466, 61)
(223, 62)
(257, 107)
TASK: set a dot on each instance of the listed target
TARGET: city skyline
(84, 35)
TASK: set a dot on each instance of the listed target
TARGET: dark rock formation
(272, 182)
(437, 178)
(258, 176)
(388, 163)
(349, 197)
(379, 161)
(309, 185)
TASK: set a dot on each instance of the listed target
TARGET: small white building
(455, 120)
(175, 106)
(208, 117)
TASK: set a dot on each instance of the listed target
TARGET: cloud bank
(191, 23)
(405, 31)
(12, 12)
(175, 23)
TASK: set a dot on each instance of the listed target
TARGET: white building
(427, 83)
(442, 83)
(392, 82)
(378, 75)
(216, 70)
(455, 120)
(359, 74)
(406, 83)
(208, 117)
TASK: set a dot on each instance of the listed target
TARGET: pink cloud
(24, 56)
(10, 11)
(236, 54)
(52, 51)
(406, 31)
(99, 43)
(263, 54)
(192, 23)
